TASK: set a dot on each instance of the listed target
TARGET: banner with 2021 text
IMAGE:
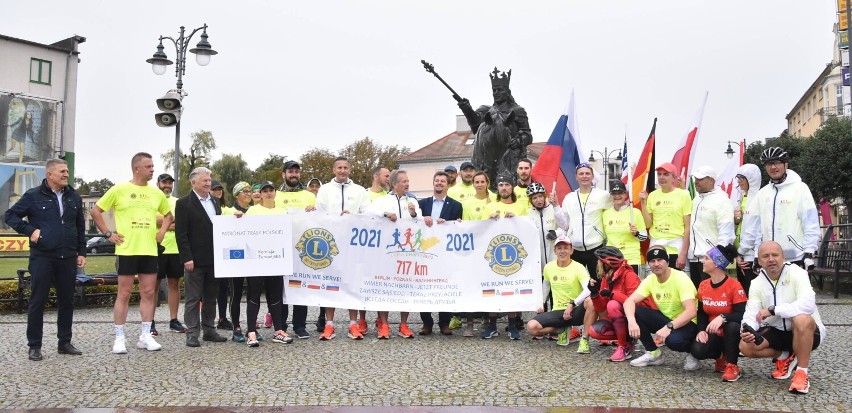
(371, 263)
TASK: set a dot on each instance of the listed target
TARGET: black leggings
(650, 321)
(300, 315)
(273, 286)
(588, 259)
(236, 299)
(716, 345)
(224, 285)
(745, 277)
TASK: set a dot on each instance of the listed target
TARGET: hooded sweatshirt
(785, 213)
(752, 174)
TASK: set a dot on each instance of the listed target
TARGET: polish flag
(683, 157)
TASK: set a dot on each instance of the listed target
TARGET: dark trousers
(236, 299)
(728, 344)
(274, 288)
(300, 315)
(44, 271)
(201, 285)
(222, 298)
(745, 277)
(650, 321)
(696, 273)
(588, 259)
(443, 319)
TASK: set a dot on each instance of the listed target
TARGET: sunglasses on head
(583, 165)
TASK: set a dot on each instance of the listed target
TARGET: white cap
(562, 239)
(704, 171)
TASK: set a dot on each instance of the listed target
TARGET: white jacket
(547, 219)
(711, 223)
(336, 197)
(791, 296)
(584, 219)
(784, 213)
(395, 204)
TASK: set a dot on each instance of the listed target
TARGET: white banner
(253, 245)
(371, 263)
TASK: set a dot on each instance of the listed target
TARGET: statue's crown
(500, 79)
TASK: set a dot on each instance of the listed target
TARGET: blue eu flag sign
(235, 254)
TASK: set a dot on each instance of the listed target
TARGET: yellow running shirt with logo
(566, 283)
(669, 296)
(136, 208)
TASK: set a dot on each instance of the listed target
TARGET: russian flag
(526, 291)
(559, 158)
(332, 288)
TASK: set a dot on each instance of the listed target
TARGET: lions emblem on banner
(317, 248)
(505, 254)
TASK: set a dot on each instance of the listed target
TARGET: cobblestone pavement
(437, 370)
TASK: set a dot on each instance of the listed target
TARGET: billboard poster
(29, 137)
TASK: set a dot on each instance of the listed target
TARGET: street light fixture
(730, 151)
(202, 51)
(607, 155)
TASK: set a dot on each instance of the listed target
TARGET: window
(40, 71)
(838, 95)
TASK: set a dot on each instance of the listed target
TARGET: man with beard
(381, 183)
(463, 191)
(452, 174)
(524, 179)
(170, 266)
(712, 221)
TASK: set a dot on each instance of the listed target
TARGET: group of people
(590, 243)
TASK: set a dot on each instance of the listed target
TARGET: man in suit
(54, 224)
(437, 209)
(194, 233)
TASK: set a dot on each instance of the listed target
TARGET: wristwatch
(670, 325)
(771, 309)
(107, 234)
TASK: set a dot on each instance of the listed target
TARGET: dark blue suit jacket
(451, 212)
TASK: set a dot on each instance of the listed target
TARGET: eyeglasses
(246, 192)
(741, 177)
(583, 165)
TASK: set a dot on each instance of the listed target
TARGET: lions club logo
(317, 248)
(505, 254)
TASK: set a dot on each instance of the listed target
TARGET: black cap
(617, 187)
(466, 165)
(291, 164)
(215, 184)
(505, 178)
(267, 183)
(165, 177)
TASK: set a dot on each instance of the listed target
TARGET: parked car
(99, 245)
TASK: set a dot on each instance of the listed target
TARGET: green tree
(317, 163)
(229, 170)
(365, 154)
(100, 186)
(826, 160)
(81, 186)
(794, 145)
(270, 170)
(199, 152)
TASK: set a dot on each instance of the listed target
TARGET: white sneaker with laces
(647, 359)
(691, 363)
(119, 346)
(147, 342)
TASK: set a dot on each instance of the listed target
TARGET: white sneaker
(691, 363)
(119, 346)
(147, 342)
(647, 359)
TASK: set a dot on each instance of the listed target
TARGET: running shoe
(119, 346)
(355, 332)
(647, 359)
(538, 337)
(489, 332)
(455, 323)
(327, 333)
(404, 331)
(252, 340)
(691, 363)
(514, 334)
(382, 330)
(562, 338)
(147, 342)
(224, 324)
(238, 336)
(320, 324)
(784, 368)
(267, 321)
(583, 347)
(732, 372)
(608, 342)
(721, 364)
(362, 326)
(468, 331)
(800, 384)
(301, 332)
(621, 354)
(175, 326)
(281, 337)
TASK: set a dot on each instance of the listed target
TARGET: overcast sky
(290, 76)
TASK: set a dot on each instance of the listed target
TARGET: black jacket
(194, 230)
(61, 236)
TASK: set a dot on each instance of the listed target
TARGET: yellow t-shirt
(294, 199)
(521, 196)
(472, 208)
(376, 195)
(669, 296)
(502, 207)
(566, 283)
(169, 242)
(739, 229)
(262, 210)
(461, 192)
(136, 209)
(616, 226)
(667, 210)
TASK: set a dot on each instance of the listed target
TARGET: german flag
(294, 284)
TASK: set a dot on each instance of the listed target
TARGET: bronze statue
(502, 130)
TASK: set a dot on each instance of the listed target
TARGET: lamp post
(730, 151)
(607, 155)
(203, 51)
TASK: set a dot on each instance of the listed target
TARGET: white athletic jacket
(712, 223)
(584, 219)
(546, 219)
(396, 204)
(785, 213)
(791, 296)
(336, 197)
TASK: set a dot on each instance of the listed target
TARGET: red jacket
(623, 283)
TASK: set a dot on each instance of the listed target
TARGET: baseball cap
(265, 184)
(466, 165)
(617, 187)
(291, 164)
(239, 187)
(255, 187)
(216, 184)
(562, 239)
(165, 177)
(667, 167)
(704, 171)
(505, 178)
(450, 168)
